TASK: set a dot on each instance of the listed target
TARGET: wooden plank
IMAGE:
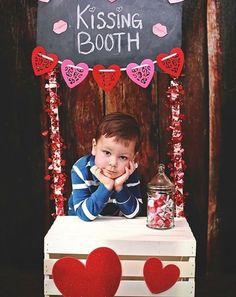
(137, 288)
(215, 95)
(83, 111)
(134, 268)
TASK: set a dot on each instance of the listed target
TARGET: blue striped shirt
(90, 198)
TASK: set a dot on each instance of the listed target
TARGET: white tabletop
(69, 234)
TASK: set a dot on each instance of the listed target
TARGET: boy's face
(112, 156)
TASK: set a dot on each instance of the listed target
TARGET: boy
(106, 182)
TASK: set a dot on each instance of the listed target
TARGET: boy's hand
(119, 181)
(108, 182)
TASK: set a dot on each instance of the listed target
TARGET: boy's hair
(121, 125)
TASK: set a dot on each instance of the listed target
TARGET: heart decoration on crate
(42, 65)
(99, 277)
(141, 74)
(171, 63)
(69, 276)
(158, 278)
(73, 74)
(106, 78)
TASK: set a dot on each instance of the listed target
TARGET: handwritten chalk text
(88, 20)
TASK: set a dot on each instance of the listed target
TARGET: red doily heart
(159, 278)
(41, 64)
(100, 277)
(106, 79)
(172, 63)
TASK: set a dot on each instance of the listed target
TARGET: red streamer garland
(57, 177)
(177, 165)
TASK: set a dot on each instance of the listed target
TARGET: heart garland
(172, 63)
(106, 79)
(73, 75)
(74, 279)
(141, 74)
(159, 278)
(42, 65)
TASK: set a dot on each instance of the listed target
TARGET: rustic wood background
(209, 40)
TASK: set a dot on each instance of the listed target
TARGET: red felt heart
(106, 79)
(159, 278)
(41, 64)
(100, 277)
(172, 63)
(70, 277)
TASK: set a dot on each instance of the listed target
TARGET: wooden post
(214, 70)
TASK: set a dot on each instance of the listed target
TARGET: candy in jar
(160, 204)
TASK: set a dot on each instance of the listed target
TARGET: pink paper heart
(73, 74)
(141, 75)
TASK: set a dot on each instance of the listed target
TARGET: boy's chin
(112, 176)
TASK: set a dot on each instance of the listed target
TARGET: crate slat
(136, 288)
(135, 268)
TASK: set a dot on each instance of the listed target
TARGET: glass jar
(160, 204)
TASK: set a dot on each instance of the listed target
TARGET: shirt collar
(91, 161)
(90, 164)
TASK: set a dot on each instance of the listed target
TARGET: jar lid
(160, 181)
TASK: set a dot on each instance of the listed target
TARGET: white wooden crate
(133, 242)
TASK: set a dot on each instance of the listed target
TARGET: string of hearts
(107, 78)
(96, 278)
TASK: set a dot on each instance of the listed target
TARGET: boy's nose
(112, 162)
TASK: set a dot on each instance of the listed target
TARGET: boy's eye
(107, 153)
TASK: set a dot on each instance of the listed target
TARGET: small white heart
(92, 9)
(119, 8)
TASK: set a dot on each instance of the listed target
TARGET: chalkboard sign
(109, 31)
